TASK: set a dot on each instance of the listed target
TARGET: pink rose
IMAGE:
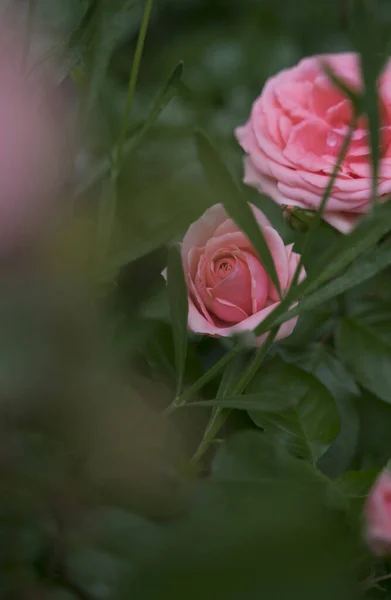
(295, 132)
(378, 515)
(229, 289)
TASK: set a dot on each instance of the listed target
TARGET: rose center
(223, 267)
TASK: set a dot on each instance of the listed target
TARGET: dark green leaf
(319, 360)
(355, 485)
(179, 307)
(358, 273)
(229, 194)
(367, 356)
(364, 237)
(252, 456)
(309, 427)
(375, 316)
(374, 444)
(261, 507)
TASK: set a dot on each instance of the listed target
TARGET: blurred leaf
(95, 572)
(236, 206)
(136, 134)
(107, 25)
(309, 427)
(118, 532)
(355, 485)
(156, 216)
(275, 513)
(58, 593)
(169, 90)
(179, 306)
(367, 356)
(374, 444)
(252, 456)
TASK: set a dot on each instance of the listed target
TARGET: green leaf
(358, 273)
(179, 307)
(236, 206)
(333, 374)
(252, 456)
(374, 444)
(311, 424)
(320, 360)
(355, 485)
(260, 507)
(375, 317)
(364, 237)
(367, 356)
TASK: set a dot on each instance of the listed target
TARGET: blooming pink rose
(295, 132)
(229, 289)
(378, 515)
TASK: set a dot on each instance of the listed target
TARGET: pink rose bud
(295, 132)
(36, 137)
(377, 512)
(229, 289)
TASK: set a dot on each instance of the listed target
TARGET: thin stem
(206, 377)
(108, 209)
(369, 583)
(219, 416)
(132, 82)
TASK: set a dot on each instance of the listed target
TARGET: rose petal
(259, 282)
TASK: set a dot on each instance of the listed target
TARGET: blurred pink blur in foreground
(378, 515)
(35, 140)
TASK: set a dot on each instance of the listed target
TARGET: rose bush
(295, 132)
(229, 289)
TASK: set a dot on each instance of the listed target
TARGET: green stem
(108, 210)
(219, 416)
(369, 583)
(132, 82)
(206, 377)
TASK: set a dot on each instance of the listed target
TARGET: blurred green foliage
(98, 497)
